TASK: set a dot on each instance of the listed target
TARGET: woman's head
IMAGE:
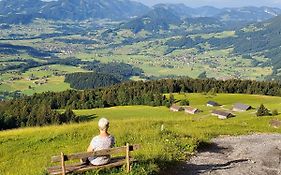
(103, 124)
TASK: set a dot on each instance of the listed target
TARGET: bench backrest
(111, 151)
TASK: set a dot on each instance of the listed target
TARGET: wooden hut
(222, 114)
(190, 110)
(241, 107)
(175, 108)
(212, 104)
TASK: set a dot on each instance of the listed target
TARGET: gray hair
(103, 124)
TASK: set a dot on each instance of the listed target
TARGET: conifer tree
(262, 111)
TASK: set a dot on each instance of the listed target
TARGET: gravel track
(258, 154)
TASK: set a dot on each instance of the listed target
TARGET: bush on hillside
(184, 102)
(275, 112)
(262, 111)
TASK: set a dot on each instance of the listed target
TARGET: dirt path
(258, 154)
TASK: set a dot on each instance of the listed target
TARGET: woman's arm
(90, 149)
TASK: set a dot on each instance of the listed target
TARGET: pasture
(28, 150)
(51, 77)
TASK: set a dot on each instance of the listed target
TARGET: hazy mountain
(207, 11)
(248, 13)
(23, 11)
(73, 9)
(252, 14)
(178, 9)
(154, 20)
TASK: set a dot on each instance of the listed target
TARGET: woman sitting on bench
(103, 141)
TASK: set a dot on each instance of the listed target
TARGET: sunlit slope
(28, 151)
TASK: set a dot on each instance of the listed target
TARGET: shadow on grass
(86, 118)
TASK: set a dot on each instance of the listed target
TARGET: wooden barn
(241, 107)
(175, 108)
(190, 110)
(222, 114)
(212, 104)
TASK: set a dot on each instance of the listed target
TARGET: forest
(90, 80)
(39, 109)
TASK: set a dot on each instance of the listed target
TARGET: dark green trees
(262, 111)
(184, 102)
(40, 109)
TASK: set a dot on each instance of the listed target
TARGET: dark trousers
(85, 161)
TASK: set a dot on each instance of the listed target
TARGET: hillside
(155, 20)
(168, 40)
(248, 14)
(71, 9)
(182, 134)
(20, 11)
(260, 38)
(252, 14)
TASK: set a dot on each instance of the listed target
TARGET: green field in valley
(150, 53)
(46, 78)
(28, 150)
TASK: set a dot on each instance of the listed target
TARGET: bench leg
(127, 158)
(62, 164)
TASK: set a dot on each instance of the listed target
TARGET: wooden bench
(81, 167)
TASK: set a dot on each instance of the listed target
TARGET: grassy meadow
(28, 150)
(28, 87)
(151, 56)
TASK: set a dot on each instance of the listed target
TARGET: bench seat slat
(112, 160)
(81, 167)
(111, 151)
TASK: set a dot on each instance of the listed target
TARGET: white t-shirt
(100, 143)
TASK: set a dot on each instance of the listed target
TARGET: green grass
(54, 83)
(28, 150)
(146, 54)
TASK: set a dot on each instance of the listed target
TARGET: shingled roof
(176, 108)
(241, 107)
(191, 110)
(212, 103)
(222, 114)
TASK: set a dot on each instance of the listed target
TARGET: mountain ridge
(20, 11)
(74, 9)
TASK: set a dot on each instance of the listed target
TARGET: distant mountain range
(229, 14)
(155, 20)
(164, 17)
(24, 11)
(70, 9)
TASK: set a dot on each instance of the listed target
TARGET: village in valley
(140, 87)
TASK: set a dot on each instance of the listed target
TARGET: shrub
(184, 102)
(275, 112)
(262, 111)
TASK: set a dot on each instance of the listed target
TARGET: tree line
(40, 109)
(104, 74)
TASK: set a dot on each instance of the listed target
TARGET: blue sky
(218, 3)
